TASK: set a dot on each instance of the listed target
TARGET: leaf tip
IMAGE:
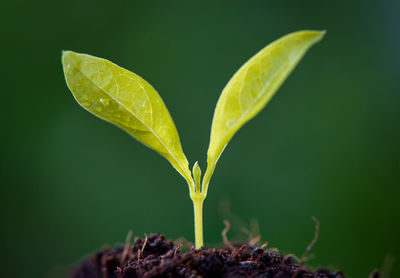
(321, 34)
(318, 35)
(313, 35)
(65, 54)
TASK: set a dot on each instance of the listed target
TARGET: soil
(156, 257)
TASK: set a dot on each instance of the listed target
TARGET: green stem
(198, 200)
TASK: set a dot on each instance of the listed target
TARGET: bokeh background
(327, 145)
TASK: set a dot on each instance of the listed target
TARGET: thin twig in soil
(265, 244)
(304, 257)
(140, 251)
(177, 250)
(183, 242)
(254, 241)
(127, 245)
(237, 252)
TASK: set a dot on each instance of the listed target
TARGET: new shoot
(126, 100)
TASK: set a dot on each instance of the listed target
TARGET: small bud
(197, 175)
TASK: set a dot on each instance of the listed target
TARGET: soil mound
(156, 257)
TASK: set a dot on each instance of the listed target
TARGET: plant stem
(198, 200)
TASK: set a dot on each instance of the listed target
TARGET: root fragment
(141, 250)
(237, 252)
(264, 245)
(305, 255)
(253, 233)
(177, 250)
(254, 241)
(144, 246)
(127, 245)
(224, 237)
(183, 242)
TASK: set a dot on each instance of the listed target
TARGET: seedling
(126, 100)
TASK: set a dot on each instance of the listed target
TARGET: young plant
(126, 100)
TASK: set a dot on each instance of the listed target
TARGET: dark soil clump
(156, 257)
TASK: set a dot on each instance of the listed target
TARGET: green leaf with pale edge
(250, 89)
(126, 100)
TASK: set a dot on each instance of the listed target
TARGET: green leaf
(126, 100)
(250, 89)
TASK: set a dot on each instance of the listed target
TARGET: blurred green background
(327, 144)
